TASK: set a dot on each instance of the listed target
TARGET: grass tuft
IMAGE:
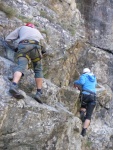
(7, 10)
(24, 19)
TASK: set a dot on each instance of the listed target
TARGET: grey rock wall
(98, 17)
(26, 124)
(97, 54)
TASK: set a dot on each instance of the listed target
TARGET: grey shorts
(29, 49)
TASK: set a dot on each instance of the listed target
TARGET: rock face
(25, 124)
(78, 34)
(98, 17)
(97, 54)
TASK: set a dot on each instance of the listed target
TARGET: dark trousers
(88, 102)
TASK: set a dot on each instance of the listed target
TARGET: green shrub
(45, 15)
(25, 19)
(71, 30)
(7, 10)
(88, 144)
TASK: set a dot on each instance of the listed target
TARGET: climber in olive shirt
(31, 47)
(87, 83)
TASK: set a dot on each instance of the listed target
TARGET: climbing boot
(38, 97)
(15, 92)
(82, 116)
(83, 133)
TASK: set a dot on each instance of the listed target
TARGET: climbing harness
(30, 42)
(38, 48)
(29, 59)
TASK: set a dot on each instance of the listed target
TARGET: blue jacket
(88, 82)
